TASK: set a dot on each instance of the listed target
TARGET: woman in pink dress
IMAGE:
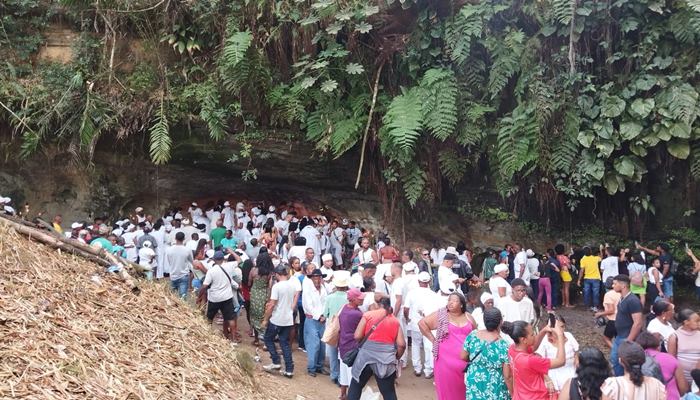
(451, 325)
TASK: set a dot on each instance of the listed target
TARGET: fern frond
(459, 32)
(439, 88)
(505, 54)
(235, 48)
(695, 160)
(345, 134)
(563, 11)
(566, 147)
(452, 166)
(413, 182)
(517, 138)
(403, 120)
(160, 140)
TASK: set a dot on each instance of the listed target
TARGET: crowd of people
(355, 304)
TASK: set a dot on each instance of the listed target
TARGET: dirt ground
(303, 387)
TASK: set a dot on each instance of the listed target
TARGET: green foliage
(404, 120)
(160, 141)
(517, 141)
(439, 96)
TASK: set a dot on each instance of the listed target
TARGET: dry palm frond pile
(68, 330)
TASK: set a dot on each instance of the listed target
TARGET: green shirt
(334, 302)
(229, 243)
(216, 235)
(489, 263)
(106, 244)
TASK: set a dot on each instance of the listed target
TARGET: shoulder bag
(350, 356)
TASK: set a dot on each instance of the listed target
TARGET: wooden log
(94, 254)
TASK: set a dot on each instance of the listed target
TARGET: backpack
(637, 279)
(651, 368)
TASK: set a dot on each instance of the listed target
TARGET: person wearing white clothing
(313, 301)
(218, 292)
(147, 259)
(547, 349)
(609, 265)
(498, 286)
(520, 264)
(311, 234)
(278, 321)
(415, 300)
(517, 306)
(446, 277)
(660, 326)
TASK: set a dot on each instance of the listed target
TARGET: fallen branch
(369, 123)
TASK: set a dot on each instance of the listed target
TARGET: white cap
(451, 250)
(138, 209)
(341, 278)
(530, 253)
(6, 200)
(147, 243)
(424, 277)
(178, 216)
(76, 225)
(227, 203)
(500, 268)
(168, 228)
(486, 296)
(271, 209)
(194, 204)
(256, 211)
(240, 206)
(186, 221)
(410, 266)
(327, 257)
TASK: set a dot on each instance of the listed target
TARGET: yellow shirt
(57, 228)
(590, 267)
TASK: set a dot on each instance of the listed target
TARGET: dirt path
(579, 322)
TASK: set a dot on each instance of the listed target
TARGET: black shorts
(610, 331)
(226, 308)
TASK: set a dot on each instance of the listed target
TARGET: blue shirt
(229, 243)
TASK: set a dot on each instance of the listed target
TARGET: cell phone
(552, 320)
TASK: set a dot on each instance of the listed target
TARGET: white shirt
(397, 287)
(656, 326)
(567, 371)
(219, 285)
(147, 257)
(609, 267)
(365, 256)
(227, 212)
(498, 282)
(446, 277)
(478, 315)
(512, 310)
(311, 235)
(356, 281)
(283, 292)
(521, 259)
(533, 265)
(415, 302)
(313, 299)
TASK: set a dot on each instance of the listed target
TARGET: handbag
(350, 356)
(332, 332)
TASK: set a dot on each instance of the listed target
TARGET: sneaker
(323, 371)
(288, 375)
(271, 367)
(429, 376)
(302, 349)
(417, 373)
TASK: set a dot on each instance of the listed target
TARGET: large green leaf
(586, 138)
(678, 148)
(640, 108)
(624, 166)
(630, 130)
(680, 130)
(612, 106)
(604, 128)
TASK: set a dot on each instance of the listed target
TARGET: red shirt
(386, 331)
(528, 374)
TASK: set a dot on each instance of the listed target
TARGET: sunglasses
(426, 254)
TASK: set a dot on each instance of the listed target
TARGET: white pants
(345, 375)
(418, 343)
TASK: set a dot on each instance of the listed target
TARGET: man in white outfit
(416, 300)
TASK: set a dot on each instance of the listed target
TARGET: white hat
(410, 266)
(168, 228)
(147, 243)
(345, 221)
(341, 278)
(327, 257)
(186, 221)
(500, 268)
(194, 204)
(424, 277)
(227, 203)
(138, 209)
(451, 250)
(450, 287)
(486, 296)
(178, 216)
(240, 206)
(271, 209)
(530, 253)
(76, 225)
(256, 211)
(7, 200)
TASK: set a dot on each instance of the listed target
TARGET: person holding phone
(548, 349)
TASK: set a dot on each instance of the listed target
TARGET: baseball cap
(355, 294)
(424, 277)
(219, 255)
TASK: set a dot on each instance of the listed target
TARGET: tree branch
(369, 123)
